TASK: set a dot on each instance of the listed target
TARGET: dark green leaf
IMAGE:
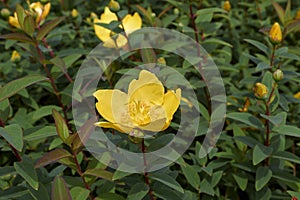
(242, 181)
(260, 152)
(13, 134)
(246, 118)
(29, 25)
(26, 169)
(287, 130)
(98, 172)
(259, 45)
(138, 191)
(46, 28)
(60, 191)
(280, 11)
(263, 176)
(61, 126)
(79, 193)
(20, 14)
(191, 175)
(109, 196)
(284, 155)
(167, 180)
(15, 86)
(17, 36)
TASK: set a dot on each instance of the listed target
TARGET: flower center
(139, 111)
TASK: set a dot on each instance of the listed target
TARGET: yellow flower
(146, 106)
(260, 90)
(227, 6)
(41, 10)
(275, 33)
(74, 13)
(13, 20)
(297, 15)
(130, 23)
(15, 56)
(297, 95)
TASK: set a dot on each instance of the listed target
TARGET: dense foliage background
(256, 156)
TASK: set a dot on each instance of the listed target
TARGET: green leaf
(51, 157)
(61, 126)
(17, 36)
(237, 131)
(259, 45)
(13, 134)
(280, 11)
(242, 181)
(100, 173)
(293, 26)
(110, 196)
(287, 130)
(206, 188)
(246, 118)
(16, 192)
(262, 66)
(26, 169)
(191, 175)
(29, 25)
(278, 119)
(284, 155)
(43, 111)
(167, 180)
(294, 194)
(79, 193)
(41, 193)
(37, 133)
(263, 176)
(138, 191)
(148, 56)
(60, 190)
(260, 152)
(21, 15)
(15, 86)
(46, 28)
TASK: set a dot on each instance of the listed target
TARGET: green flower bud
(278, 75)
(5, 13)
(176, 11)
(114, 5)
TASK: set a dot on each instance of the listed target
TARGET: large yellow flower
(145, 107)
(40, 11)
(130, 23)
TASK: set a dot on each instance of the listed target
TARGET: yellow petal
(132, 23)
(147, 87)
(114, 126)
(102, 33)
(110, 104)
(275, 33)
(46, 10)
(108, 16)
(14, 21)
(154, 126)
(171, 103)
(297, 95)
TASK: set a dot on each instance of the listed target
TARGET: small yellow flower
(74, 13)
(146, 106)
(41, 10)
(297, 95)
(227, 6)
(297, 15)
(275, 33)
(13, 20)
(130, 23)
(114, 5)
(260, 90)
(15, 56)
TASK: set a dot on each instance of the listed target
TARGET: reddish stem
(146, 175)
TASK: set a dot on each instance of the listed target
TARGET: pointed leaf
(284, 155)
(191, 175)
(29, 25)
(138, 191)
(167, 180)
(60, 191)
(79, 193)
(287, 130)
(61, 126)
(259, 45)
(260, 152)
(98, 172)
(15, 86)
(27, 171)
(46, 28)
(280, 11)
(21, 15)
(263, 175)
(246, 118)
(17, 36)
(52, 157)
(241, 181)
(13, 134)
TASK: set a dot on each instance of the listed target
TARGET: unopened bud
(114, 5)
(278, 75)
(260, 90)
(275, 33)
(5, 13)
(15, 56)
(227, 6)
(74, 13)
(176, 11)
